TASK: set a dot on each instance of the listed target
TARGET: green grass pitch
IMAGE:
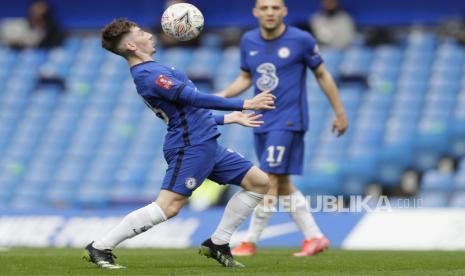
(47, 261)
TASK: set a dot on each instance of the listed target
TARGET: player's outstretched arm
(262, 101)
(189, 96)
(327, 84)
(173, 90)
(238, 86)
(244, 119)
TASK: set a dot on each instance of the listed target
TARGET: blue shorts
(280, 151)
(189, 166)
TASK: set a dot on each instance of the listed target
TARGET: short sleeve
(219, 119)
(244, 66)
(311, 52)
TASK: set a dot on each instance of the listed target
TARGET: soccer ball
(182, 21)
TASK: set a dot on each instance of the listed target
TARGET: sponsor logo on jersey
(268, 79)
(284, 52)
(164, 82)
(190, 183)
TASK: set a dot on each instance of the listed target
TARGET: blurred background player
(332, 26)
(275, 57)
(39, 29)
(189, 149)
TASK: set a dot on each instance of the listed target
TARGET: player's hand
(340, 124)
(244, 119)
(262, 101)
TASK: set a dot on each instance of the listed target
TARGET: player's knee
(261, 182)
(256, 181)
(171, 211)
(170, 208)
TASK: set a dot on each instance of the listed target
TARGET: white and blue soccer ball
(182, 21)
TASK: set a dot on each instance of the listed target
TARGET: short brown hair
(114, 32)
(282, 1)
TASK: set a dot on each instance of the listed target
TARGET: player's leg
(255, 184)
(187, 168)
(281, 154)
(271, 150)
(167, 205)
(299, 211)
(234, 169)
(256, 181)
(314, 241)
(260, 217)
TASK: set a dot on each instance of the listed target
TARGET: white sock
(303, 218)
(132, 224)
(236, 211)
(258, 223)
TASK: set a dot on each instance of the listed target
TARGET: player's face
(270, 13)
(143, 41)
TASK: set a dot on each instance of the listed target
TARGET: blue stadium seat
(360, 169)
(432, 138)
(177, 57)
(356, 60)
(446, 72)
(437, 181)
(40, 172)
(124, 193)
(95, 194)
(457, 200)
(433, 199)
(451, 54)
(7, 189)
(332, 56)
(61, 194)
(415, 71)
(95, 134)
(323, 176)
(397, 151)
(457, 144)
(389, 54)
(72, 170)
(27, 201)
(445, 86)
(422, 41)
(459, 179)
(359, 155)
(462, 164)
(319, 183)
(204, 62)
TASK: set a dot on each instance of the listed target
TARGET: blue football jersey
(280, 65)
(174, 98)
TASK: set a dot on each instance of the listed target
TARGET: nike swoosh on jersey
(253, 53)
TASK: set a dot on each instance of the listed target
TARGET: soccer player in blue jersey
(275, 57)
(190, 147)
